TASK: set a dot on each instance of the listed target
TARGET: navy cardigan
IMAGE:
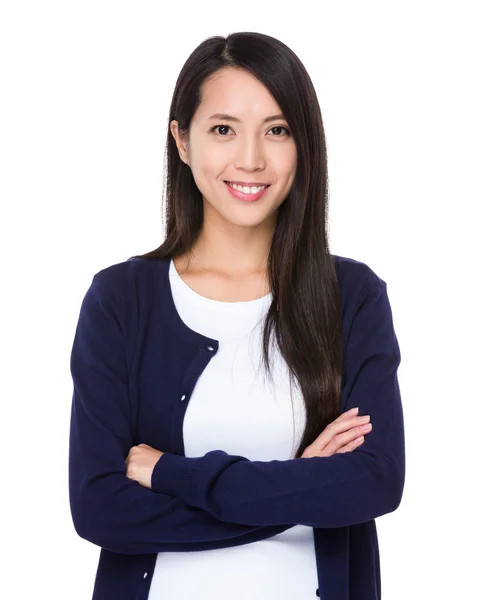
(134, 365)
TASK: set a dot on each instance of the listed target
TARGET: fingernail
(354, 410)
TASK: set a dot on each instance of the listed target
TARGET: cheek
(209, 164)
(289, 161)
(206, 177)
(290, 170)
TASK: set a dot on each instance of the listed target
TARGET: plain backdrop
(85, 92)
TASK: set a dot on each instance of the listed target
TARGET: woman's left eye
(280, 127)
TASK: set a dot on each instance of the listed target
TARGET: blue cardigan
(134, 365)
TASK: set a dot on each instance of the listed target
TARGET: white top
(235, 408)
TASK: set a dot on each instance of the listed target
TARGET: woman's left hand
(140, 463)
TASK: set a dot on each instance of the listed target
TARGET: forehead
(236, 92)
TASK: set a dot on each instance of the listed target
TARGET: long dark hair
(305, 311)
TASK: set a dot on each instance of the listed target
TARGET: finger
(352, 412)
(351, 446)
(348, 437)
(342, 425)
(339, 433)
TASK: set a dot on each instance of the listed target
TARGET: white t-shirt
(235, 408)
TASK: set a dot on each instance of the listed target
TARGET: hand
(339, 436)
(140, 463)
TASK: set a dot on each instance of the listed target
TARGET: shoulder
(355, 272)
(356, 278)
(362, 288)
(132, 274)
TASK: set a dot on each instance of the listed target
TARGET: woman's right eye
(216, 126)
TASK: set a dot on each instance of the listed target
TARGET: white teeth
(246, 189)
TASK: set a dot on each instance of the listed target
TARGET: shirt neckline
(171, 316)
(211, 304)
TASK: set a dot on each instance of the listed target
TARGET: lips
(247, 184)
(246, 197)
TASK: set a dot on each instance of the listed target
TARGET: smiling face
(248, 150)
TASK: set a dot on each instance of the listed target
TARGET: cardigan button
(183, 397)
(145, 575)
(317, 592)
(210, 348)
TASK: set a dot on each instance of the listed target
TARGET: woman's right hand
(345, 434)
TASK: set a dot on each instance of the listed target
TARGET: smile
(253, 189)
(247, 194)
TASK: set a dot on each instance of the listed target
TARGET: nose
(249, 154)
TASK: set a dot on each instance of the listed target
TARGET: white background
(85, 92)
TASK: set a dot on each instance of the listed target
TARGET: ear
(181, 141)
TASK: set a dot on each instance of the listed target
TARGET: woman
(178, 445)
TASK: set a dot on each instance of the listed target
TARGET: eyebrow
(226, 117)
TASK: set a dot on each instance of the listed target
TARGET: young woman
(196, 474)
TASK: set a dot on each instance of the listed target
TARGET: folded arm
(109, 509)
(335, 491)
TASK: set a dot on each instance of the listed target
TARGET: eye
(216, 126)
(280, 127)
(228, 127)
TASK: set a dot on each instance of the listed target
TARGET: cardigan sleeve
(336, 491)
(109, 509)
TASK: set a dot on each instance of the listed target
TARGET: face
(248, 150)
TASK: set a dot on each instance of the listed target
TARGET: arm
(335, 491)
(109, 509)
